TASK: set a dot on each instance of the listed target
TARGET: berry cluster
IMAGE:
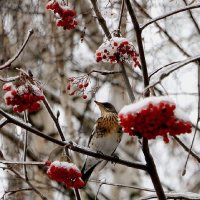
(66, 15)
(78, 85)
(67, 173)
(117, 50)
(153, 119)
(23, 97)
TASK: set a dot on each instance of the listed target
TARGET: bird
(105, 137)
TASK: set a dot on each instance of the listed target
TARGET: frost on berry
(116, 50)
(67, 173)
(65, 14)
(78, 85)
(152, 117)
(23, 96)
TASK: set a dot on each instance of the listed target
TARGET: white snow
(22, 89)
(65, 165)
(136, 107)
(179, 114)
(109, 46)
(8, 94)
(36, 90)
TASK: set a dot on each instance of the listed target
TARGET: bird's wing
(95, 130)
(91, 136)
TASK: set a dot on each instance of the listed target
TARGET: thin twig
(122, 185)
(127, 83)
(195, 156)
(10, 79)
(170, 38)
(175, 196)
(3, 122)
(120, 18)
(105, 73)
(25, 146)
(7, 162)
(192, 18)
(101, 20)
(10, 61)
(198, 119)
(26, 181)
(11, 192)
(169, 14)
(98, 191)
(29, 128)
(55, 119)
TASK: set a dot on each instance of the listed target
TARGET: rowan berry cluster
(153, 119)
(78, 86)
(67, 173)
(117, 50)
(23, 97)
(66, 14)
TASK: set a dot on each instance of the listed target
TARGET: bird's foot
(116, 158)
(100, 152)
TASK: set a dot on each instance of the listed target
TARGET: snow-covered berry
(152, 117)
(116, 50)
(67, 173)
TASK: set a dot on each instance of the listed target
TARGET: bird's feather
(105, 138)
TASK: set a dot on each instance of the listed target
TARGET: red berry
(72, 93)
(84, 96)
(8, 86)
(115, 44)
(86, 84)
(14, 92)
(48, 162)
(80, 86)
(99, 54)
(68, 87)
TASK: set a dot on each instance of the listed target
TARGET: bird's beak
(98, 103)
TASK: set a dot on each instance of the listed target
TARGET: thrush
(105, 137)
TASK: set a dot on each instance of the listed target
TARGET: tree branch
(74, 146)
(169, 14)
(151, 167)
(10, 61)
(195, 156)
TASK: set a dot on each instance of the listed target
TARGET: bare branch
(122, 185)
(120, 17)
(101, 20)
(195, 156)
(73, 146)
(10, 61)
(151, 167)
(3, 122)
(169, 14)
(167, 70)
(176, 196)
(6, 162)
(105, 72)
(10, 79)
(55, 119)
(26, 181)
(29, 128)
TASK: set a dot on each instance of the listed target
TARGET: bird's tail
(87, 173)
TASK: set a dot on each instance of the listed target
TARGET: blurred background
(54, 55)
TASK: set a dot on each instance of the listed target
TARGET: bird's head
(106, 108)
